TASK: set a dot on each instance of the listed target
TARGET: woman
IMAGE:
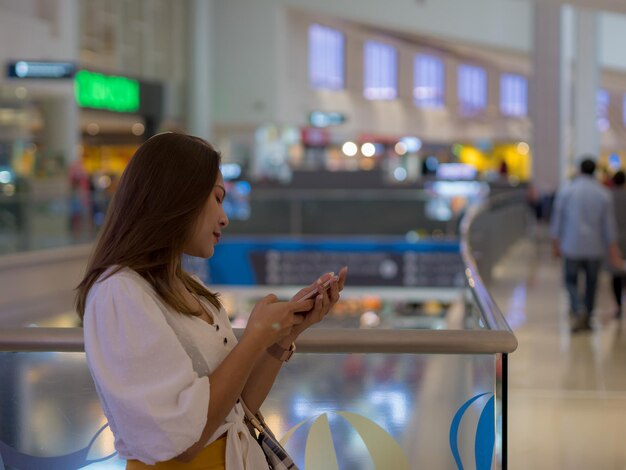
(167, 368)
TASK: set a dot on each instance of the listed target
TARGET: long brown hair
(152, 214)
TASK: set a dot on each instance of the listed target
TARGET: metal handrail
(498, 338)
(315, 340)
(488, 308)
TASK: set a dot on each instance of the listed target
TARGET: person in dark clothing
(619, 205)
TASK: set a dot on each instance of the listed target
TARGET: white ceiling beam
(617, 6)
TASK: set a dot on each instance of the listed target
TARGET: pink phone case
(313, 293)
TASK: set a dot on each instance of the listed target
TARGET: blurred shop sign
(230, 171)
(456, 171)
(110, 92)
(380, 139)
(314, 137)
(326, 119)
(40, 69)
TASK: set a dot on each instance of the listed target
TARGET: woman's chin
(203, 253)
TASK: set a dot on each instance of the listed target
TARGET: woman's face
(209, 225)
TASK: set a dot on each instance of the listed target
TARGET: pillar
(60, 133)
(199, 96)
(586, 85)
(548, 96)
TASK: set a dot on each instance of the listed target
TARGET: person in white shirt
(168, 370)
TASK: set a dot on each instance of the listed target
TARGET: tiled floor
(567, 399)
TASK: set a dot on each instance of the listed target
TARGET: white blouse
(139, 351)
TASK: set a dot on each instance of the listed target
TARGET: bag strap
(254, 419)
(257, 420)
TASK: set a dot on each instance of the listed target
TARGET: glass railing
(50, 218)
(411, 377)
(390, 211)
(370, 408)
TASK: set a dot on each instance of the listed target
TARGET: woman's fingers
(324, 305)
(343, 273)
(334, 292)
(273, 319)
(312, 287)
(300, 305)
(320, 304)
(269, 299)
(302, 292)
(337, 286)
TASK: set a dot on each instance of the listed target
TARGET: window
(602, 109)
(326, 57)
(381, 71)
(471, 89)
(513, 95)
(428, 81)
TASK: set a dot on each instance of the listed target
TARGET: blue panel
(232, 262)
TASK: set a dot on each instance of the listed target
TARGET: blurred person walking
(583, 232)
(619, 205)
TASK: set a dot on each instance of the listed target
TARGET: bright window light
(471, 89)
(428, 81)
(381, 71)
(326, 58)
(602, 109)
(513, 95)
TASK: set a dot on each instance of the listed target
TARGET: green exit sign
(110, 92)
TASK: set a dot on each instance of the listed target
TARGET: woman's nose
(224, 220)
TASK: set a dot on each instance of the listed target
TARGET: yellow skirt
(212, 457)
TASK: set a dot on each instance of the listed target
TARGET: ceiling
(616, 6)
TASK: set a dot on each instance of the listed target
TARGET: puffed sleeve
(156, 402)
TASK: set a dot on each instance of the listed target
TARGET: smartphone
(313, 293)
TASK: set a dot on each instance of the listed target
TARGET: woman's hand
(271, 320)
(323, 302)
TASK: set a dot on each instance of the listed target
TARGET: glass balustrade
(53, 218)
(398, 376)
(381, 395)
(348, 411)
